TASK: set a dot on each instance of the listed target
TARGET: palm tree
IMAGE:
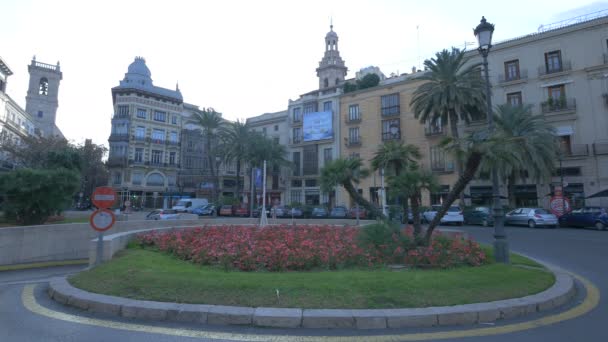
(411, 183)
(538, 161)
(212, 124)
(505, 148)
(236, 137)
(453, 92)
(344, 172)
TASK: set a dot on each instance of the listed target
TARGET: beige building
(373, 116)
(563, 73)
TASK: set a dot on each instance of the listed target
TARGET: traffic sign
(104, 197)
(102, 220)
(559, 205)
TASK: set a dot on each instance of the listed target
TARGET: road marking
(590, 302)
(44, 264)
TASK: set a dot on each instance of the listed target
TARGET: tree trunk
(348, 186)
(211, 162)
(457, 162)
(511, 190)
(416, 214)
(238, 177)
(471, 168)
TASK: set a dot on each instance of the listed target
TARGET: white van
(187, 204)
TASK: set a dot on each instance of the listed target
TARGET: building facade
(42, 98)
(145, 152)
(314, 134)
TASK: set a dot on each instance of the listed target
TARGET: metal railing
(523, 75)
(350, 120)
(546, 70)
(172, 143)
(138, 138)
(442, 166)
(391, 111)
(558, 105)
(575, 150)
(353, 142)
(119, 137)
(390, 136)
(430, 130)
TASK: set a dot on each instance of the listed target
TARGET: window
(156, 179)
(391, 129)
(296, 163)
(157, 157)
(514, 99)
(568, 172)
(433, 128)
(141, 113)
(173, 137)
(40, 113)
(276, 128)
(122, 110)
(512, 70)
(390, 104)
(353, 113)
(311, 160)
(438, 159)
(297, 114)
(565, 145)
(158, 135)
(296, 196)
(310, 107)
(120, 128)
(557, 92)
(325, 83)
(327, 106)
(160, 116)
(117, 178)
(297, 135)
(353, 135)
(171, 180)
(296, 183)
(136, 178)
(43, 88)
(172, 158)
(139, 155)
(174, 119)
(140, 133)
(118, 150)
(310, 182)
(553, 61)
(264, 130)
(327, 155)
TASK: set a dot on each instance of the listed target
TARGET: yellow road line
(591, 301)
(44, 264)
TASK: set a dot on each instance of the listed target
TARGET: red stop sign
(104, 197)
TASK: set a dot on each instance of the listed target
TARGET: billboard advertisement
(317, 126)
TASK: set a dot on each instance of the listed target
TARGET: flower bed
(282, 248)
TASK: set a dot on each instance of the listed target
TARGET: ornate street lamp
(483, 32)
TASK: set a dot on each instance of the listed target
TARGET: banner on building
(317, 126)
(258, 177)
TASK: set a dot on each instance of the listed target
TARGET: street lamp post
(483, 33)
(357, 190)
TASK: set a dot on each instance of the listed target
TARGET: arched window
(155, 179)
(325, 83)
(44, 86)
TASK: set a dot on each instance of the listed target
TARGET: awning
(563, 131)
(603, 193)
(551, 84)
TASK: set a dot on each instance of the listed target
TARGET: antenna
(418, 43)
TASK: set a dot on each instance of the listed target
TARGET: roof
(5, 68)
(138, 77)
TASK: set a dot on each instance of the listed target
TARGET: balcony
(295, 141)
(441, 166)
(172, 143)
(575, 150)
(349, 120)
(544, 70)
(391, 111)
(523, 76)
(136, 162)
(118, 137)
(386, 136)
(139, 139)
(600, 148)
(554, 106)
(431, 130)
(117, 161)
(120, 116)
(158, 141)
(353, 142)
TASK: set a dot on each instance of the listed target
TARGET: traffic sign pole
(102, 219)
(99, 254)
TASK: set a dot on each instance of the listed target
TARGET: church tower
(41, 101)
(331, 70)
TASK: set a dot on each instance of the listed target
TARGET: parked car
(339, 212)
(205, 210)
(319, 212)
(295, 212)
(162, 214)
(362, 213)
(188, 204)
(585, 217)
(453, 215)
(226, 210)
(258, 210)
(280, 211)
(479, 215)
(241, 211)
(532, 217)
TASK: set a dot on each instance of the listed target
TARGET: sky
(243, 58)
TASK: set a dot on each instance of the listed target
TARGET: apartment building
(562, 72)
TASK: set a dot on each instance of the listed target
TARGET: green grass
(149, 275)
(515, 259)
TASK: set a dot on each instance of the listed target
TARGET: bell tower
(331, 70)
(41, 101)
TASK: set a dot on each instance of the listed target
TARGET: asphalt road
(584, 252)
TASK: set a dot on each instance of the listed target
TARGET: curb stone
(562, 291)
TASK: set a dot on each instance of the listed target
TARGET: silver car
(531, 217)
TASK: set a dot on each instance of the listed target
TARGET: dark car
(280, 211)
(339, 212)
(585, 217)
(319, 212)
(226, 210)
(362, 213)
(242, 211)
(295, 212)
(205, 210)
(479, 215)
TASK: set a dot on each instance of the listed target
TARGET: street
(580, 251)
